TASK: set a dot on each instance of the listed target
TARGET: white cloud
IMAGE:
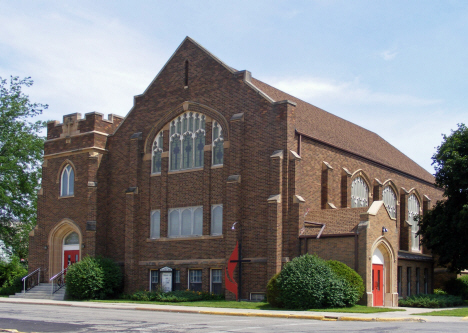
(80, 62)
(388, 55)
(346, 93)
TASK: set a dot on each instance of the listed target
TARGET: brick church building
(210, 158)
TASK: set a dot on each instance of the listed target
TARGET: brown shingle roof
(328, 128)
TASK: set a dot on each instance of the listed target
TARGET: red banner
(231, 285)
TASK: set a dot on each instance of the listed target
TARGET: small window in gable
(155, 224)
(67, 181)
(359, 193)
(389, 199)
(157, 152)
(216, 220)
(413, 213)
(218, 144)
(187, 141)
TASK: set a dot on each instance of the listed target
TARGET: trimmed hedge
(431, 301)
(307, 282)
(174, 296)
(273, 292)
(94, 278)
(349, 274)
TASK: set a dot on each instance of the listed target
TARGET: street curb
(465, 318)
(239, 314)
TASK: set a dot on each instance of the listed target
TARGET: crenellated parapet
(76, 133)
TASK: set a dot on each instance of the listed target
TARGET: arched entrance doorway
(383, 274)
(64, 244)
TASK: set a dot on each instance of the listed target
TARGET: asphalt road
(45, 318)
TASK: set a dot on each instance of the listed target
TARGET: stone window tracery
(413, 213)
(390, 201)
(359, 193)
(187, 141)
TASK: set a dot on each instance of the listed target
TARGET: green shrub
(457, 287)
(11, 274)
(273, 292)
(85, 279)
(431, 301)
(307, 282)
(439, 292)
(113, 282)
(349, 274)
(174, 296)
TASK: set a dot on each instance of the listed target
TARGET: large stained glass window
(359, 193)
(186, 141)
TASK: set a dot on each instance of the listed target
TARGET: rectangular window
(257, 297)
(399, 276)
(216, 220)
(216, 281)
(408, 281)
(418, 276)
(155, 224)
(195, 279)
(186, 222)
(426, 279)
(154, 280)
(177, 280)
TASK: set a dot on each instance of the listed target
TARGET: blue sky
(398, 68)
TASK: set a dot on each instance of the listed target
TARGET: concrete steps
(42, 291)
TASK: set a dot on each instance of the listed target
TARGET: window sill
(66, 196)
(217, 166)
(156, 174)
(190, 238)
(186, 170)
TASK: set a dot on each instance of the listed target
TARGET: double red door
(70, 257)
(377, 284)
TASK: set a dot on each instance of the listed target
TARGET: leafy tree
(21, 149)
(445, 227)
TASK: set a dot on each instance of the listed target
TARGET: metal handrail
(58, 281)
(24, 279)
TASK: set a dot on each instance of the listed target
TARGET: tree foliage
(445, 227)
(21, 149)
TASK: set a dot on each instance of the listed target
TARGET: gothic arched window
(218, 144)
(413, 213)
(157, 152)
(390, 202)
(187, 141)
(359, 193)
(67, 181)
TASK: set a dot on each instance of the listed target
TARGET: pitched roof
(342, 134)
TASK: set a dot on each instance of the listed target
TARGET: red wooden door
(377, 284)
(70, 257)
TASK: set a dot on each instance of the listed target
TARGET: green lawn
(255, 306)
(461, 312)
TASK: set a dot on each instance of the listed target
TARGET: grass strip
(461, 312)
(254, 306)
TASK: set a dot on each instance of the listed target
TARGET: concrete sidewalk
(410, 314)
